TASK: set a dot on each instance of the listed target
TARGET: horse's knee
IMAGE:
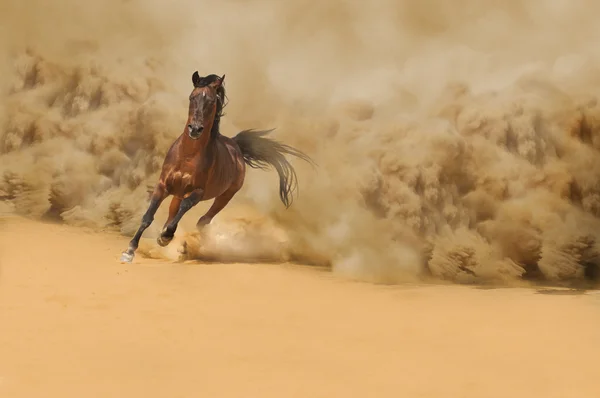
(192, 200)
(147, 220)
(189, 202)
(185, 205)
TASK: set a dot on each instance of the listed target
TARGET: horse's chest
(213, 173)
(180, 182)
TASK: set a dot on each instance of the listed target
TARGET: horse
(202, 164)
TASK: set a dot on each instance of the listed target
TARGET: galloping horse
(202, 164)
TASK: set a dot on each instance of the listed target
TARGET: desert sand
(456, 141)
(76, 322)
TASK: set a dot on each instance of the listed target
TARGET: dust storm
(454, 139)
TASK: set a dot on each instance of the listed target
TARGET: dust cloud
(454, 139)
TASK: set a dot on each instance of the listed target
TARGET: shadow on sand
(549, 288)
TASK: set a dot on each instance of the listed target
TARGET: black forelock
(207, 80)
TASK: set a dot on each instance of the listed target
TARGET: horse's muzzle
(195, 132)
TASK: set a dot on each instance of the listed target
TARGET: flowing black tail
(260, 152)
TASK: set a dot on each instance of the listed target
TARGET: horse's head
(206, 102)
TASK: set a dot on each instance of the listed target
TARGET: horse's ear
(220, 81)
(196, 79)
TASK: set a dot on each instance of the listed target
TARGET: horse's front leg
(173, 210)
(159, 194)
(168, 232)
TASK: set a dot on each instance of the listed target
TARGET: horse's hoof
(126, 257)
(163, 241)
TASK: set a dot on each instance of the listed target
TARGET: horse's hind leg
(186, 204)
(218, 205)
(159, 194)
(173, 209)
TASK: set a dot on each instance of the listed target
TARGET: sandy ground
(76, 323)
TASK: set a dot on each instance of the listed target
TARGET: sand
(74, 322)
(454, 140)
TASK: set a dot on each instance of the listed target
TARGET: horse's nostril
(193, 129)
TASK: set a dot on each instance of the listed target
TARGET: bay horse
(202, 164)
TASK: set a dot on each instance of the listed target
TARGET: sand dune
(75, 322)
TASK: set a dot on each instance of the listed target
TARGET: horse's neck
(191, 148)
(202, 145)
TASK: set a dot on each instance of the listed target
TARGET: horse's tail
(260, 152)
